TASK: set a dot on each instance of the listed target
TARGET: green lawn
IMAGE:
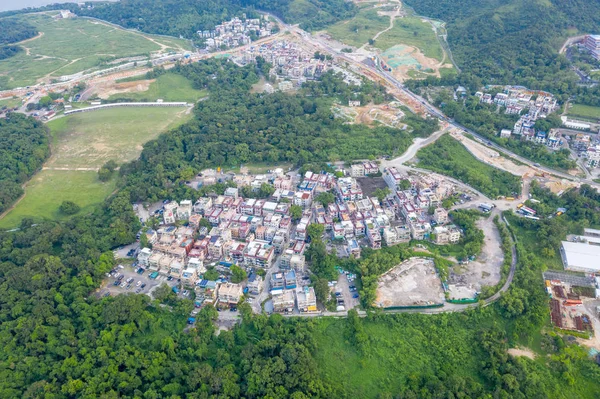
(68, 46)
(169, 87)
(49, 188)
(88, 140)
(358, 30)
(584, 111)
(413, 32)
(92, 138)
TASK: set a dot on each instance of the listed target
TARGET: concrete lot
(343, 286)
(413, 282)
(127, 271)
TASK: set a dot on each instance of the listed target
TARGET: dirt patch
(403, 59)
(412, 283)
(522, 352)
(559, 186)
(466, 280)
(370, 184)
(106, 89)
(386, 114)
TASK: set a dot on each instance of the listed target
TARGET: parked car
(143, 286)
(138, 283)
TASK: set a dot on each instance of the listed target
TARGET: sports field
(89, 139)
(49, 188)
(584, 111)
(68, 46)
(169, 87)
(81, 144)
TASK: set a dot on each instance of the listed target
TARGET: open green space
(67, 46)
(449, 157)
(89, 139)
(412, 31)
(10, 102)
(358, 30)
(169, 87)
(49, 188)
(584, 111)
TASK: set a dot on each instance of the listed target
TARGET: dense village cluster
(261, 236)
(292, 64)
(531, 105)
(237, 32)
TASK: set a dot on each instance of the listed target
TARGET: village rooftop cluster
(292, 64)
(259, 234)
(237, 32)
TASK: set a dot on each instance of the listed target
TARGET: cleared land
(413, 282)
(49, 188)
(68, 46)
(584, 111)
(88, 140)
(169, 87)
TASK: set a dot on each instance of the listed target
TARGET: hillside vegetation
(185, 17)
(513, 41)
(25, 146)
(449, 157)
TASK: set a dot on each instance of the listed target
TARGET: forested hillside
(13, 31)
(185, 17)
(24, 146)
(514, 41)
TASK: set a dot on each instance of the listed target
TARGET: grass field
(67, 46)
(169, 87)
(88, 140)
(413, 32)
(49, 188)
(359, 29)
(584, 111)
(92, 138)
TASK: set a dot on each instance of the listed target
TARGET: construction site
(567, 295)
(413, 283)
(386, 114)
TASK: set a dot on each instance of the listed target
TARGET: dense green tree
(69, 208)
(325, 198)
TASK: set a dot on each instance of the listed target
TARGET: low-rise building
(283, 301)
(306, 299)
(255, 284)
(229, 294)
(446, 235)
